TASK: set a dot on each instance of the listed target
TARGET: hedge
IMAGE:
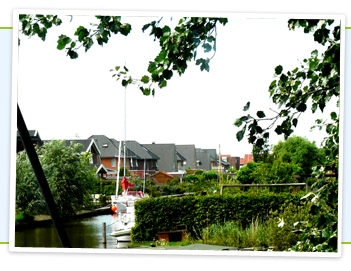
(164, 214)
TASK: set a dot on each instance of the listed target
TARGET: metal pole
(125, 129)
(220, 164)
(43, 184)
(144, 175)
(104, 234)
(118, 168)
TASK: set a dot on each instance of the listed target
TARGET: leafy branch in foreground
(37, 25)
(178, 47)
(316, 80)
(108, 25)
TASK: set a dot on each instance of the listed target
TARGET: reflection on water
(84, 233)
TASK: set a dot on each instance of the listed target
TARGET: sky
(65, 99)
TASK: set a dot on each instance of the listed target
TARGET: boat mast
(220, 164)
(118, 168)
(125, 130)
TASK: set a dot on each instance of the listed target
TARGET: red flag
(125, 183)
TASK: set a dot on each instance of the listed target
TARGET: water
(83, 233)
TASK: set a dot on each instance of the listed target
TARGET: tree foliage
(290, 157)
(68, 174)
(178, 46)
(299, 151)
(84, 37)
(317, 79)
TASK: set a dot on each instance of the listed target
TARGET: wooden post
(41, 179)
(104, 234)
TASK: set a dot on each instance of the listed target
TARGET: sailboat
(125, 223)
(123, 204)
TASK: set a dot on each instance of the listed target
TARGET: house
(234, 161)
(161, 178)
(143, 162)
(109, 150)
(189, 153)
(209, 159)
(168, 160)
(35, 137)
(139, 160)
(247, 158)
(181, 161)
(213, 157)
(204, 159)
(89, 145)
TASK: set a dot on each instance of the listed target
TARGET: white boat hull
(125, 224)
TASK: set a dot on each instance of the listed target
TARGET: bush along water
(198, 212)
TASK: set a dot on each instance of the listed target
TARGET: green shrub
(197, 212)
(286, 223)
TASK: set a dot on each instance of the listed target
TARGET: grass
(233, 235)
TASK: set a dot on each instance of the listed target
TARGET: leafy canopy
(178, 46)
(317, 80)
(68, 174)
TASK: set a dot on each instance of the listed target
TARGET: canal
(83, 233)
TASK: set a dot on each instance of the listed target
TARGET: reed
(234, 235)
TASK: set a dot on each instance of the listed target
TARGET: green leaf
(124, 83)
(333, 115)
(301, 107)
(163, 84)
(125, 29)
(278, 130)
(166, 31)
(294, 121)
(260, 142)
(260, 114)
(72, 54)
(207, 47)
(278, 70)
(145, 79)
(247, 106)
(152, 67)
(167, 74)
(145, 91)
(240, 135)
(161, 56)
(238, 122)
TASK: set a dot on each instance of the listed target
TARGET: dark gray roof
(34, 135)
(189, 153)
(140, 151)
(106, 147)
(109, 147)
(204, 159)
(213, 153)
(99, 168)
(180, 157)
(166, 154)
(88, 144)
(129, 153)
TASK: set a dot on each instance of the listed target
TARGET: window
(113, 161)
